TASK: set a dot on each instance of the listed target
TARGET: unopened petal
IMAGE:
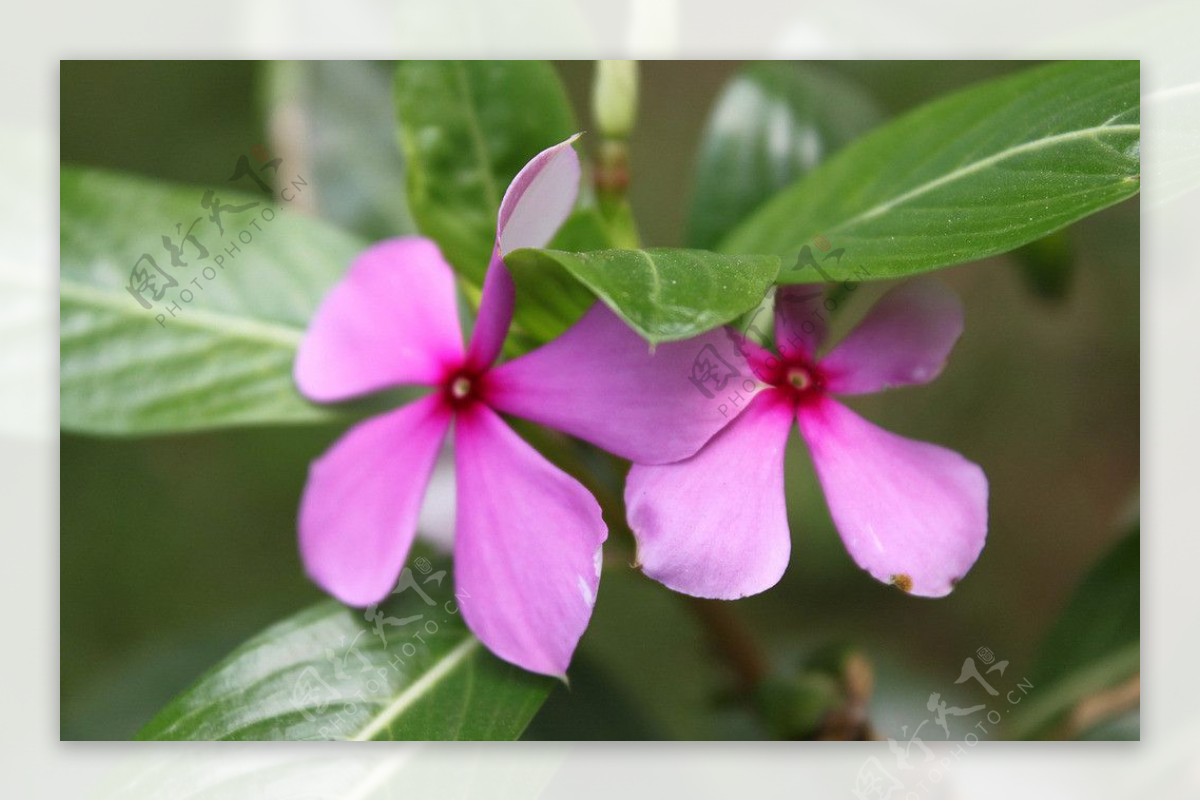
(539, 199)
(495, 314)
(537, 202)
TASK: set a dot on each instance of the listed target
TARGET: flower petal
(495, 314)
(360, 505)
(527, 546)
(536, 203)
(539, 199)
(601, 382)
(392, 320)
(904, 339)
(715, 525)
(910, 513)
(762, 362)
(800, 321)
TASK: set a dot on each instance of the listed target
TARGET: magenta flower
(910, 513)
(527, 535)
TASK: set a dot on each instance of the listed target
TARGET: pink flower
(527, 535)
(910, 513)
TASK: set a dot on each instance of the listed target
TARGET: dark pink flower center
(803, 381)
(463, 387)
(799, 378)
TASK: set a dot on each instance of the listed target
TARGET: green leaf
(1094, 645)
(332, 673)
(1103, 615)
(793, 707)
(593, 707)
(774, 123)
(664, 294)
(549, 301)
(974, 174)
(224, 357)
(1041, 716)
(466, 129)
(334, 121)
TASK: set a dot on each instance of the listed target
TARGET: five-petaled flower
(527, 535)
(910, 513)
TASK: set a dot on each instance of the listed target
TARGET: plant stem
(1100, 707)
(731, 639)
(726, 632)
(612, 183)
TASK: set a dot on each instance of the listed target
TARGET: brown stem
(732, 641)
(612, 169)
(1100, 707)
(849, 721)
(726, 633)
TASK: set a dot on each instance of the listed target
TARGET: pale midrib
(418, 688)
(655, 288)
(982, 164)
(212, 322)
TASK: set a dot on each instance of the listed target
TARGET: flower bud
(614, 97)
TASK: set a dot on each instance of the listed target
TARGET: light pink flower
(527, 535)
(910, 513)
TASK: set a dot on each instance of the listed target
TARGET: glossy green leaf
(594, 706)
(406, 670)
(549, 301)
(214, 350)
(662, 293)
(771, 125)
(974, 174)
(466, 129)
(334, 120)
(1094, 645)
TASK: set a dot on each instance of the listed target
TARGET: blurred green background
(175, 549)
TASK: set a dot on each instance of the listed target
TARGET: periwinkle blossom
(527, 535)
(910, 513)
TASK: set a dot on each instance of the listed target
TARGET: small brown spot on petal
(902, 582)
